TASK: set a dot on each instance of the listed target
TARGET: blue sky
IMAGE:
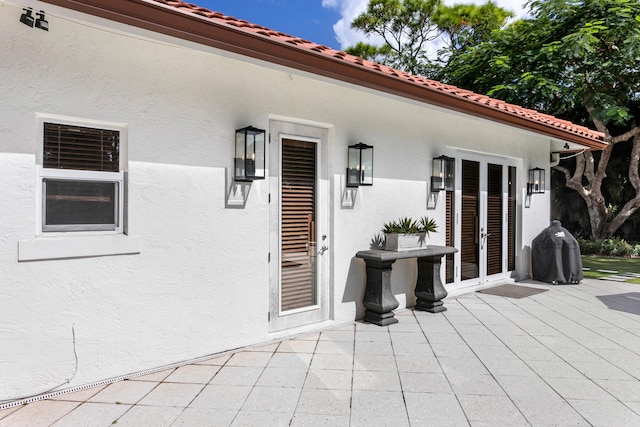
(327, 22)
(307, 19)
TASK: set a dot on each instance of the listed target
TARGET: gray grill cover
(555, 256)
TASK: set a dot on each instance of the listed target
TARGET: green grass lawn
(622, 265)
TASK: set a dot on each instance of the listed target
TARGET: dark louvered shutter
(449, 234)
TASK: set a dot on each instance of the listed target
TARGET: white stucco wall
(200, 282)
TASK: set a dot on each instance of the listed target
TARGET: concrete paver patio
(569, 356)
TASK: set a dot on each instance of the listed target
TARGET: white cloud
(349, 9)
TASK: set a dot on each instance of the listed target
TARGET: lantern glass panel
(353, 169)
(250, 154)
(443, 176)
(536, 184)
(240, 155)
(366, 163)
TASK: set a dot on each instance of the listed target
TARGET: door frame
(279, 130)
(484, 160)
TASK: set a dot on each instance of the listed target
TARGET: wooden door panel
(494, 219)
(298, 254)
(469, 250)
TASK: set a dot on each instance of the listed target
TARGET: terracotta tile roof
(309, 56)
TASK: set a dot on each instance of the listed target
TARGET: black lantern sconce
(536, 184)
(443, 173)
(41, 22)
(250, 154)
(27, 18)
(360, 165)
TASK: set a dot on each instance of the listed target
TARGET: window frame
(118, 178)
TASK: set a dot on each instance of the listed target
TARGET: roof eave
(194, 28)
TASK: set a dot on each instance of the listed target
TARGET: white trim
(60, 247)
(483, 159)
(291, 319)
(43, 173)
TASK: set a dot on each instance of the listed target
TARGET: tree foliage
(406, 28)
(409, 29)
(578, 60)
(466, 25)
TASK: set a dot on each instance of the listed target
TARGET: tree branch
(587, 167)
(596, 121)
(564, 171)
(626, 136)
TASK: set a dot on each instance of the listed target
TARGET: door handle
(483, 237)
(323, 249)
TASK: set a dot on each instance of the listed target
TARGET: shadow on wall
(238, 192)
(524, 261)
(403, 281)
(354, 287)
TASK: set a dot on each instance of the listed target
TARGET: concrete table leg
(429, 289)
(379, 301)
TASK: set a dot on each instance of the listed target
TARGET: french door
(299, 242)
(485, 220)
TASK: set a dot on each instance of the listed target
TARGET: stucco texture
(200, 283)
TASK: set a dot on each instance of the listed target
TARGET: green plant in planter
(406, 234)
(408, 225)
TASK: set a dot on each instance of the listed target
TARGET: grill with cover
(555, 256)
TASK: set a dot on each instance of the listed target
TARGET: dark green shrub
(609, 247)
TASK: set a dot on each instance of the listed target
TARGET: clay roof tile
(462, 94)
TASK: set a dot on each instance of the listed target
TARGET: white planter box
(405, 242)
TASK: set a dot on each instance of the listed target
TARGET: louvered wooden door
(470, 227)
(299, 222)
(493, 236)
(486, 235)
(298, 225)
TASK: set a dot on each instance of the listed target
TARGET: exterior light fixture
(443, 173)
(360, 165)
(250, 154)
(26, 18)
(41, 22)
(535, 185)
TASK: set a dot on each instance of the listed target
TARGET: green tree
(409, 29)
(406, 28)
(578, 60)
(466, 25)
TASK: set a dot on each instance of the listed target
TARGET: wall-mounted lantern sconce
(250, 154)
(360, 165)
(443, 173)
(536, 184)
(27, 18)
(41, 22)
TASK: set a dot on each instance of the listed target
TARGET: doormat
(512, 291)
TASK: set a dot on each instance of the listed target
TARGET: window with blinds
(81, 148)
(81, 178)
